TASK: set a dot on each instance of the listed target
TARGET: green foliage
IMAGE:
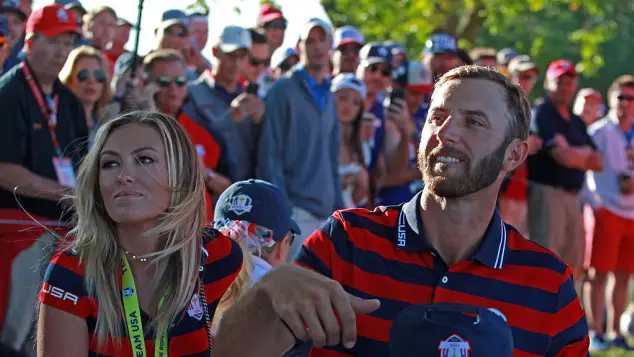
(595, 33)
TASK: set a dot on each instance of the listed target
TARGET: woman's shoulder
(68, 260)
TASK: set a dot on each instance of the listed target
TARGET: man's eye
(472, 121)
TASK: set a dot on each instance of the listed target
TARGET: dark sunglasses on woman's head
(165, 81)
(257, 61)
(84, 74)
(386, 71)
(275, 24)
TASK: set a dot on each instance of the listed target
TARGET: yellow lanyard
(133, 315)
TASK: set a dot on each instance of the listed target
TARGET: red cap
(269, 13)
(560, 67)
(51, 21)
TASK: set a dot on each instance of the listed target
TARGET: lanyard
(48, 108)
(133, 315)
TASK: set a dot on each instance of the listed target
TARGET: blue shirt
(317, 90)
(542, 168)
(224, 95)
(379, 134)
(16, 55)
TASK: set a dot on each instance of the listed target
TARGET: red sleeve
(64, 287)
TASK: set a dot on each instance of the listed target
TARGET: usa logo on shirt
(454, 346)
(195, 308)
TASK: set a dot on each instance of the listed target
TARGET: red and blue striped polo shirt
(383, 254)
(64, 288)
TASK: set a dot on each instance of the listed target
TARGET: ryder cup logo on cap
(62, 15)
(441, 43)
(454, 345)
(241, 204)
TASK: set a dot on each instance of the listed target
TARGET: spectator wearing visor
(16, 18)
(5, 39)
(221, 98)
(272, 21)
(347, 42)
(299, 146)
(282, 60)
(403, 139)
(557, 170)
(503, 58)
(484, 56)
(440, 54)
(43, 136)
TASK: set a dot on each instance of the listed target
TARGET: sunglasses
(84, 75)
(349, 48)
(386, 71)
(165, 81)
(623, 97)
(275, 24)
(257, 61)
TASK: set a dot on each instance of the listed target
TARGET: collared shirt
(542, 168)
(383, 254)
(318, 91)
(224, 95)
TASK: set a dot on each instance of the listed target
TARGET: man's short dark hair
(516, 101)
(625, 80)
(161, 55)
(258, 37)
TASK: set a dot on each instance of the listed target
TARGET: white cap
(314, 22)
(232, 39)
(347, 34)
(280, 55)
(418, 77)
(348, 80)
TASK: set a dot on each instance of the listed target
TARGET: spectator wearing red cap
(557, 170)
(272, 21)
(43, 138)
(347, 43)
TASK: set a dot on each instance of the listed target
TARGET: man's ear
(515, 155)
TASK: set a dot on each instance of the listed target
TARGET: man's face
(275, 33)
(563, 88)
(172, 81)
(414, 99)
(441, 63)
(50, 53)
(377, 77)
(174, 38)
(199, 31)
(122, 35)
(231, 65)
(316, 48)
(16, 26)
(464, 142)
(256, 64)
(622, 100)
(526, 80)
(103, 29)
(345, 59)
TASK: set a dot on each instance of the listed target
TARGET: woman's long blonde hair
(95, 240)
(66, 74)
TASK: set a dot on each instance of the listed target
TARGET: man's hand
(368, 127)
(247, 105)
(561, 141)
(535, 143)
(314, 307)
(399, 113)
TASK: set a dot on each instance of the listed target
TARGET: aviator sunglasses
(98, 75)
(165, 81)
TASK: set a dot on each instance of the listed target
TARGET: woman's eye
(108, 164)
(145, 160)
(472, 121)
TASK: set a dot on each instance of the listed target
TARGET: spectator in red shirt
(272, 21)
(100, 26)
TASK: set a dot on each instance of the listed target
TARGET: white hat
(280, 55)
(232, 39)
(418, 77)
(314, 22)
(347, 34)
(348, 80)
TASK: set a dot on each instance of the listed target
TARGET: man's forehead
(469, 93)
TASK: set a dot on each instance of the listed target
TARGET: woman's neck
(88, 107)
(133, 239)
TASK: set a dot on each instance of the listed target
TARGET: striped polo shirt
(383, 254)
(64, 288)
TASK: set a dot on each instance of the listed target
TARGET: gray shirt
(299, 146)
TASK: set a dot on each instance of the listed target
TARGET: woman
(140, 213)
(86, 74)
(349, 96)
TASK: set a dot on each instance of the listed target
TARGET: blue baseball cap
(447, 329)
(374, 52)
(441, 43)
(12, 6)
(259, 202)
(174, 17)
(4, 27)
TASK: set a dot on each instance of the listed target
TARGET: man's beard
(483, 175)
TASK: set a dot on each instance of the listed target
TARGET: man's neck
(45, 81)
(562, 108)
(455, 227)
(316, 73)
(230, 85)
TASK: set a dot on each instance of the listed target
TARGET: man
(16, 17)
(272, 21)
(117, 46)
(255, 70)
(44, 137)
(613, 236)
(100, 26)
(198, 28)
(5, 40)
(557, 170)
(447, 245)
(440, 54)
(259, 203)
(166, 68)
(173, 31)
(513, 203)
(299, 144)
(220, 97)
(282, 60)
(347, 42)
(484, 56)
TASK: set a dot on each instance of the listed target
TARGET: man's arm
(26, 183)
(568, 328)
(270, 159)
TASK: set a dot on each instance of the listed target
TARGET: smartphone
(395, 93)
(252, 88)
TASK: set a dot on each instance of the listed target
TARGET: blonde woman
(86, 74)
(137, 249)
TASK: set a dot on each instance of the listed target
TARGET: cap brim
(347, 41)
(295, 227)
(270, 17)
(436, 51)
(15, 11)
(169, 23)
(374, 60)
(231, 47)
(559, 72)
(524, 67)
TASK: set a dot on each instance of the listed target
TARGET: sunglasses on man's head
(165, 81)
(386, 71)
(275, 24)
(84, 74)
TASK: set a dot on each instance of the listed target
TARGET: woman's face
(133, 175)
(88, 80)
(349, 104)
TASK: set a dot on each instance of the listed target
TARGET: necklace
(134, 257)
